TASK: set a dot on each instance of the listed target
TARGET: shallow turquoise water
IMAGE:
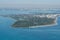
(43, 33)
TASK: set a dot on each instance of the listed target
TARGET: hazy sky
(30, 3)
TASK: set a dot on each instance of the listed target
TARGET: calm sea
(7, 32)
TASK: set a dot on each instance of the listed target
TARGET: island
(34, 20)
(30, 20)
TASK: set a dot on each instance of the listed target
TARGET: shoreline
(55, 22)
(46, 25)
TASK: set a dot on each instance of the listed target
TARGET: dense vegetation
(33, 21)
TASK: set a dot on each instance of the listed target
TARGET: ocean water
(7, 32)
